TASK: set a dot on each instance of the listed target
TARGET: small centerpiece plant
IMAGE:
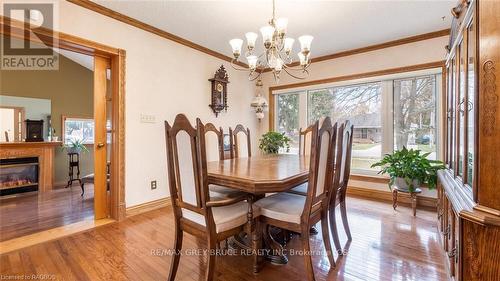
(271, 142)
(409, 168)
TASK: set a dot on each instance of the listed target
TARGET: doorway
(108, 115)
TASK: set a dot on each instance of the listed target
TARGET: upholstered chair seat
(225, 218)
(283, 206)
(221, 192)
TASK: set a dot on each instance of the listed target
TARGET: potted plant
(408, 169)
(271, 142)
(75, 146)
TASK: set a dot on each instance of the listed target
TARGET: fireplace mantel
(43, 150)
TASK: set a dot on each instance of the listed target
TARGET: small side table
(413, 198)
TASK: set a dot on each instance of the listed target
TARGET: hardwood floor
(32, 212)
(387, 245)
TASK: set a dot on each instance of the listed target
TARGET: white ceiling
(335, 25)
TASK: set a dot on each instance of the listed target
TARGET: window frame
(77, 118)
(386, 81)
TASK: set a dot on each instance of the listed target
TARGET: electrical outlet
(153, 185)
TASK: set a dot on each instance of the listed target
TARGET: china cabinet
(469, 189)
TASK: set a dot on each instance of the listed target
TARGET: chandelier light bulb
(252, 62)
(236, 46)
(305, 43)
(251, 38)
(281, 25)
(267, 35)
(288, 45)
(303, 59)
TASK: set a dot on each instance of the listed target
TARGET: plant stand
(413, 198)
(74, 163)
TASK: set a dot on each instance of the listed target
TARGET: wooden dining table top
(260, 174)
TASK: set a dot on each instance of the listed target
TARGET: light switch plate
(148, 118)
(153, 185)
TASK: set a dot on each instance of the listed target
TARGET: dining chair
(194, 211)
(340, 182)
(240, 145)
(298, 213)
(217, 191)
(305, 140)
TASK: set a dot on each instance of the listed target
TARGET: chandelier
(278, 51)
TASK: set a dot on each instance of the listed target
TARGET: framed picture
(227, 142)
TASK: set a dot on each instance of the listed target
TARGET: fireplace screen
(18, 175)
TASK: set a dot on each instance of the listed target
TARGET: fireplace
(18, 175)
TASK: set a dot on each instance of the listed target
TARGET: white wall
(163, 78)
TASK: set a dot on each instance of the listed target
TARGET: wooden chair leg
(304, 238)
(345, 222)
(326, 239)
(211, 259)
(334, 230)
(176, 257)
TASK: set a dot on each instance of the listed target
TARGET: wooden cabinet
(468, 190)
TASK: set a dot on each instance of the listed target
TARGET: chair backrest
(343, 158)
(218, 142)
(323, 142)
(305, 141)
(241, 142)
(186, 164)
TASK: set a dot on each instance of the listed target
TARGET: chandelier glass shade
(278, 54)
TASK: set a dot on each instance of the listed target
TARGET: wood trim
(50, 234)
(371, 179)
(148, 206)
(396, 70)
(149, 28)
(381, 195)
(16, 29)
(389, 44)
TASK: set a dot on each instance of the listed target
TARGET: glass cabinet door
(471, 105)
(451, 102)
(461, 107)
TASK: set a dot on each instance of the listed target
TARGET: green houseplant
(271, 142)
(75, 146)
(409, 168)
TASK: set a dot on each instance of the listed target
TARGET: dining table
(257, 176)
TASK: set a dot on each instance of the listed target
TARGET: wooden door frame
(17, 29)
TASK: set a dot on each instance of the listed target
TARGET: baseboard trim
(148, 206)
(403, 198)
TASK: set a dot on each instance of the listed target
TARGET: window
(415, 114)
(361, 104)
(288, 118)
(387, 114)
(78, 129)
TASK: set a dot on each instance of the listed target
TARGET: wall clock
(219, 91)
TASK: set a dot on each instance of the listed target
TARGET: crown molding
(393, 43)
(87, 4)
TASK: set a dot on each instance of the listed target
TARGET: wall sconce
(259, 102)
